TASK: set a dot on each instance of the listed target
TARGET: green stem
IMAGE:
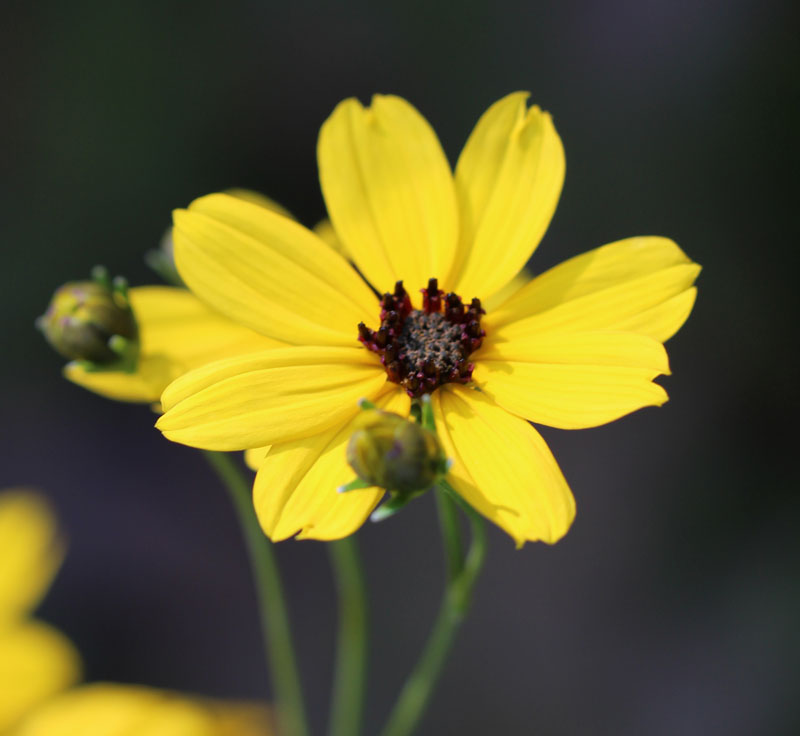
(350, 675)
(451, 533)
(417, 691)
(272, 604)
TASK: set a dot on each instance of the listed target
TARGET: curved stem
(350, 674)
(419, 686)
(272, 604)
(451, 533)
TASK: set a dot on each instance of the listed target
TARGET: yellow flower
(105, 709)
(578, 346)
(36, 661)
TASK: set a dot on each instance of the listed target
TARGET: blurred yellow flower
(177, 332)
(578, 346)
(36, 661)
(105, 709)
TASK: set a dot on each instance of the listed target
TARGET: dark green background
(672, 606)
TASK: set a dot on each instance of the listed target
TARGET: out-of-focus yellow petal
(177, 332)
(239, 719)
(120, 710)
(325, 231)
(36, 662)
(175, 323)
(508, 178)
(144, 386)
(389, 192)
(295, 489)
(640, 285)
(249, 195)
(573, 380)
(254, 456)
(30, 553)
(502, 466)
(268, 273)
(278, 395)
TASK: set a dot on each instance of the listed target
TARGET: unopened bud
(91, 321)
(394, 453)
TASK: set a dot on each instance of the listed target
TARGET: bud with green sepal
(395, 453)
(92, 322)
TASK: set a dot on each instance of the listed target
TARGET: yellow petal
(502, 466)
(295, 489)
(254, 456)
(120, 710)
(275, 396)
(508, 179)
(35, 663)
(325, 231)
(239, 719)
(268, 273)
(174, 323)
(512, 287)
(389, 192)
(144, 386)
(177, 332)
(573, 380)
(30, 553)
(640, 285)
(249, 195)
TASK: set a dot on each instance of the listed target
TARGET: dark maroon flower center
(422, 349)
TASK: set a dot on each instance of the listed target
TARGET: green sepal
(354, 485)
(396, 502)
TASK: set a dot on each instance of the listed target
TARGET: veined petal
(640, 285)
(30, 553)
(573, 380)
(269, 273)
(177, 332)
(502, 466)
(275, 396)
(508, 179)
(36, 662)
(295, 488)
(175, 323)
(389, 191)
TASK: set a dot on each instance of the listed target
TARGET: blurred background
(672, 605)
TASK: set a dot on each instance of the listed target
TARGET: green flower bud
(394, 453)
(91, 321)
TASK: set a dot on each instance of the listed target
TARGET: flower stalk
(418, 689)
(350, 673)
(274, 616)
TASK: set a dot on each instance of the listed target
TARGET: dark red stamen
(424, 348)
(432, 297)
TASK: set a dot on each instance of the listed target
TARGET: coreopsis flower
(108, 709)
(36, 661)
(576, 347)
